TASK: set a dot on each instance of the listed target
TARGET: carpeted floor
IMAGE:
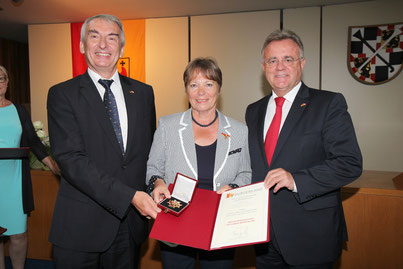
(33, 264)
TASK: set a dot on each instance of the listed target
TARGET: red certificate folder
(195, 226)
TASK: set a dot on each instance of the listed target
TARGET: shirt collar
(95, 76)
(290, 96)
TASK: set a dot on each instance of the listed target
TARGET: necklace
(206, 125)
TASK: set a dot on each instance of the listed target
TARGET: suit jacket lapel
(300, 103)
(261, 117)
(186, 137)
(91, 94)
(223, 146)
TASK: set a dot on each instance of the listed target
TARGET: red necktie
(272, 134)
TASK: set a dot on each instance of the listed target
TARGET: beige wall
(377, 111)
(166, 59)
(306, 23)
(49, 63)
(235, 41)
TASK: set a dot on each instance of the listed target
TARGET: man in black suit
(101, 126)
(305, 154)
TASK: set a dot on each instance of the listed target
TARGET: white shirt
(117, 91)
(271, 110)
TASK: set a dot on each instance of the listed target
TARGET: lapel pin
(131, 92)
(303, 104)
(225, 135)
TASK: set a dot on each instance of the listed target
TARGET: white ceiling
(14, 18)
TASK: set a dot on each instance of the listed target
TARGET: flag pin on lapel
(131, 92)
(225, 135)
(303, 104)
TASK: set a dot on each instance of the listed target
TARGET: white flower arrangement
(38, 125)
(34, 163)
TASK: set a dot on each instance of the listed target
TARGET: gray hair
(281, 35)
(4, 70)
(105, 17)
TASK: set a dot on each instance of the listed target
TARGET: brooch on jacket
(235, 151)
(225, 135)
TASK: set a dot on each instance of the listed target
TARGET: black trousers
(122, 254)
(269, 256)
(182, 257)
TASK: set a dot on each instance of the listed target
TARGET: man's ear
(122, 50)
(82, 47)
(303, 63)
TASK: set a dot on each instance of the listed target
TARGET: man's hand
(145, 205)
(160, 191)
(52, 165)
(280, 178)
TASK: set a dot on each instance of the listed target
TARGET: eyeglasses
(2, 79)
(287, 61)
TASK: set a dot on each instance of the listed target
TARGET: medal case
(181, 196)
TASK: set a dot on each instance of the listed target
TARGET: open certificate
(242, 217)
(235, 218)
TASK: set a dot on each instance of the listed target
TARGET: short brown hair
(208, 66)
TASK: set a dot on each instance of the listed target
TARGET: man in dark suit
(101, 126)
(303, 145)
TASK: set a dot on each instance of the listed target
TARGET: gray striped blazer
(173, 151)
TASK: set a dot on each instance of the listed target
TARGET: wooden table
(45, 186)
(373, 206)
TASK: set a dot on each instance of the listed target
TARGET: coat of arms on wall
(124, 66)
(375, 52)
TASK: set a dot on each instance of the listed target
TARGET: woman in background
(16, 199)
(204, 144)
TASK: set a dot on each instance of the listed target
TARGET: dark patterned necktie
(112, 109)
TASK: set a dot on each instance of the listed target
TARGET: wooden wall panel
(14, 57)
(45, 186)
(373, 208)
(235, 40)
(376, 110)
(166, 59)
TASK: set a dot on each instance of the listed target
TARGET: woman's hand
(52, 165)
(223, 189)
(160, 191)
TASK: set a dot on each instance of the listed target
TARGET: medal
(174, 204)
